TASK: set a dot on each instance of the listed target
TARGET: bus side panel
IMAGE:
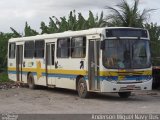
(40, 77)
(11, 73)
(69, 69)
(37, 68)
(12, 69)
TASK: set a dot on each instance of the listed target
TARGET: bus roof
(66, 34)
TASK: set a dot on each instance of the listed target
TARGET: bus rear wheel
(124, 94)
(31, 81)
(82, 88)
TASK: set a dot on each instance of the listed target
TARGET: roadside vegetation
(4, 77)
(122, 14)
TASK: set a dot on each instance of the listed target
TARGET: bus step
(51, 86)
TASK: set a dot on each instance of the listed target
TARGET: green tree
(15, 33)
(44, 28)
(72, 22)
(52, 28)
(81, 22)
(126, 15)
(28, 31)
(154, 31)
(63, 25)
(4, 37)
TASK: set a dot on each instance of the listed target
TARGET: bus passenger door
(50, 63)
(19, 61)
(93, 65)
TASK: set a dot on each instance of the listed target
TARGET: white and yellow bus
(110, 59)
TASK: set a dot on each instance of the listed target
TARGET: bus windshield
(126, 54)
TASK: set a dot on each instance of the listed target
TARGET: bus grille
(128, 89)
(120, 82)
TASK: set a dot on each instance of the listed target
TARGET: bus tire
(82, 88)
(30, 81)
(124, 94)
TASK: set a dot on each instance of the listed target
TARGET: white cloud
(14, 13)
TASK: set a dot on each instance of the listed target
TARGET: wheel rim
(82, 88)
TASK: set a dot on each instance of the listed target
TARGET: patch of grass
(4, 77)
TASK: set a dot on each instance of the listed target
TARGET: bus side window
(63, 48)
(78, 48)
(39, 49)
(12, 47)
(29, 49)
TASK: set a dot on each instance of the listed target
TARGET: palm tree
(127, 16)
(96, 21)
(15, 33)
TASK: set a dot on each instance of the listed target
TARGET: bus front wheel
(31, 81)
(82, 88)
(124, 94)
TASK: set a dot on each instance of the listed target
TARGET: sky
(14, 13)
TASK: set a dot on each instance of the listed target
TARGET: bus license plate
(130, 86)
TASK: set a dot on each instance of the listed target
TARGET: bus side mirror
(103, 45)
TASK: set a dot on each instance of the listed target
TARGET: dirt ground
(46, 100)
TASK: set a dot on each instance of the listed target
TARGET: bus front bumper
(107, 86)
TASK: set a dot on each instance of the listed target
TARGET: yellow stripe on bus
(39, 71)
(56, 71)
(125, 73)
